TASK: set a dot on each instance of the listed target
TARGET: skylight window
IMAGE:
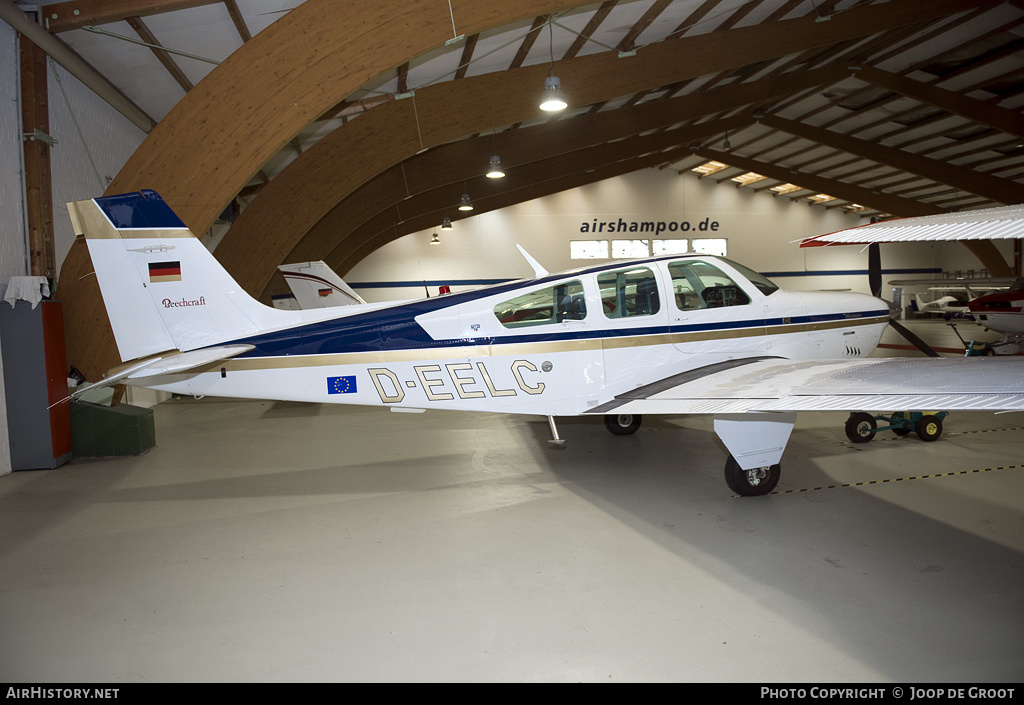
(746, 179)
(708, 168)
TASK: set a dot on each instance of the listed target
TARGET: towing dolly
(861, 427)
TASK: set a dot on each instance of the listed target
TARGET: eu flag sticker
(341, 385)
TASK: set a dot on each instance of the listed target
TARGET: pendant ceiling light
(553, 99)
(447, 224)
(465, 204)
(495, 171)
(435, 240)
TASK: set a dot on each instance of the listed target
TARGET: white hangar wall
(111, 139)
(81, 164)
(760, 230)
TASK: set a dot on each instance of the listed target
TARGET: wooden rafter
(528, 41)
(1000, 190)
(238, 20)
(628, 42)
(595, 21)
(163, 57)
(75, 14)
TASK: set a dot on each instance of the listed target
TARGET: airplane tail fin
(163, 290)
(315, 285)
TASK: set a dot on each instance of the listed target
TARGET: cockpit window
(697, 284)
(629, 292)
(762, 283)
(553, 304)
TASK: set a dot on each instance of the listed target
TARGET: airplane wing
(1003, 223)
(884, 384)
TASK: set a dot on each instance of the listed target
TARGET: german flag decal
(165, 271)
(324, 292)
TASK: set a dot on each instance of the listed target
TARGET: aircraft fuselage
(557, 345)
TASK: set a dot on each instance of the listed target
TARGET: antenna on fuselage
(537, 269)
(423, 277)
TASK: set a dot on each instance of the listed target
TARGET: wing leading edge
(760, 384)
(1002, 223)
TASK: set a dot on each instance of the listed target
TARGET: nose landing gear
(752, 482)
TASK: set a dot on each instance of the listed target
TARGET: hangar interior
(286, 541)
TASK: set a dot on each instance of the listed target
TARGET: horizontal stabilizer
(171, 363)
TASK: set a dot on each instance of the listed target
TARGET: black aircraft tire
(860, 427)
(751, 483)
(929, 428)
(623, 424)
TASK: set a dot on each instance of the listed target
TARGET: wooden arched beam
(225, 129)
(551, 175)
(298, 197)
(459, 162)
(347, 257)
(266, 92)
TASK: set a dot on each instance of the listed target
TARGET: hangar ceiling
(337, 126)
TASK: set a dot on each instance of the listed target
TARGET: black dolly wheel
(860, 427)
(928, 428)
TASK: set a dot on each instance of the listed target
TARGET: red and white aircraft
(689, 334)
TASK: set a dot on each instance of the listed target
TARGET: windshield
(762, 283)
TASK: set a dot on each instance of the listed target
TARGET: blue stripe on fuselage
(396, 329)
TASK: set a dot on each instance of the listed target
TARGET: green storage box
(110, 431)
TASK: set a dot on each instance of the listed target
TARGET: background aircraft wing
(1004, 223)
(887, 384)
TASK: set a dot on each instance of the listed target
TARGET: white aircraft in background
(943, 305)
(315, 285)
(689, 334)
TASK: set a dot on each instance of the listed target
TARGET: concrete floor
(266, 541)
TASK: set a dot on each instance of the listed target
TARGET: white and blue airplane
(688, 334)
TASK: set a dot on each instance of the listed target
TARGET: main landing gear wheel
(622, 424)
(928, 428)
(860, 427)
(753, 482)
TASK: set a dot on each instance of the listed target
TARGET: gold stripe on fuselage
(497, 349)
